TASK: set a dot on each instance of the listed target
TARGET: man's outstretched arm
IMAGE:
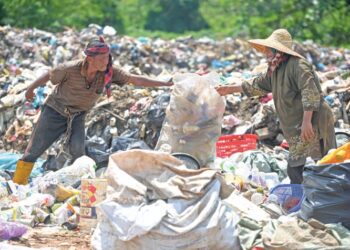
(143, 81)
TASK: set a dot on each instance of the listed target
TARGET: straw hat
(280, 40)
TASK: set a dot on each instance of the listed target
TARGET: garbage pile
(146, 198)
(51, 199)
(26, 54)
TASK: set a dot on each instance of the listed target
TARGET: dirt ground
(54, 238)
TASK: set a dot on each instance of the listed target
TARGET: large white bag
(155, 202)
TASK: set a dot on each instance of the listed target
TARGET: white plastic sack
(154, 202)
(194, 116)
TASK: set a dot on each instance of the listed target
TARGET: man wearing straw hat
(306, 120)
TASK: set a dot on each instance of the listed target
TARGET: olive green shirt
(73, 92)
(296, 88)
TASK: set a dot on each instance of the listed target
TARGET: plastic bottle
(258, 179)
(272, 199)
(271, 180)
(257, 198)
(9, 230)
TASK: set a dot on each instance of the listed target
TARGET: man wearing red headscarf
(78, 86)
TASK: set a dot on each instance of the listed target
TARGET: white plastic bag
(193, 117)
(83, 167)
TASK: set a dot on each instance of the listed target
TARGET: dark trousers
(50, 126)
(295, 174)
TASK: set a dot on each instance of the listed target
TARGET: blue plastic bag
(8, 161)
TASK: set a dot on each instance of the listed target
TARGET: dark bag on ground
(327, 192)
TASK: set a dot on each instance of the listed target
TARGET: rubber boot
(22, 172)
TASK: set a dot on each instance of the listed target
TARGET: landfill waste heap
(242, 186)
(135, 115)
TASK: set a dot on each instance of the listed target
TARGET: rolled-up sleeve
(260, 86)
(307, 84)
(120, 77)
(58, 74)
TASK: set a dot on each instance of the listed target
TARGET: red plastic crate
(230, 144)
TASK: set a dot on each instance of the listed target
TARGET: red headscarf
(99, 47)
(275, 61)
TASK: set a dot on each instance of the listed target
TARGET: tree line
(326, 22)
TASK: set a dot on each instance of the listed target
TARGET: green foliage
(176, 16)
(55, 14)
(326, 22)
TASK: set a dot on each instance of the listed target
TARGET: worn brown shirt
(296, 88)
(74, 92)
